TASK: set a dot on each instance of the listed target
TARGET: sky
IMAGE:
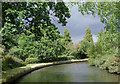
(78, 23)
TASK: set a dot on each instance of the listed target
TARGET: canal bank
(13, 74)
(70, 73)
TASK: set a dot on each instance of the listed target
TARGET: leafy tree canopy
(109, 12)
(19, 17)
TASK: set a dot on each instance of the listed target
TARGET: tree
(105, 52)
(67, 36)
(48, 46)
(109, 12)
(90, 47)
(88, 35)
(59, 48)
(21, 16)
(69, 48)
(84, 46)
(39, 12)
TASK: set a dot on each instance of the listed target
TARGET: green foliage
(69, 48)
(67, 37)
(7, 33)
(91, 50)
(75, 50)
(61, 58)
(10, 62)
(36, 38)
(105, 53)
(15, 12)
(91, 61)
(15, 51)
(49, 45)
(31, 60)
(108, 62)
(88, 47)
(1, 51)
(79, 50)
(109, 12)
(52, 59)
(84, 46)
(71, 57)
(16, 15)
(108, 42)
(88, 35)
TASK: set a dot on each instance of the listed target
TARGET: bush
(108, 62)
(31, 60)
(91, 61)
(1, 52)
(10, 62)
(70, 57)
(78, 54)
(114, 69)
(59, 58)
(51, 59)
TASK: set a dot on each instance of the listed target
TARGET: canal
(75, 72)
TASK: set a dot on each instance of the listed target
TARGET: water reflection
(77, 72)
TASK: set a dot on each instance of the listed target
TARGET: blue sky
(78, 23)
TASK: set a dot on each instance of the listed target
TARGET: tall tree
(88, 35)
(67, 36)
(91, 48)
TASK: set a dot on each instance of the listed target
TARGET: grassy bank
(11, 75)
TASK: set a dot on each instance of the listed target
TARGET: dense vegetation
(29, 36)
(105, 52)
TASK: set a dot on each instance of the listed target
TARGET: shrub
(114, 69)
(61, 58)
(70, 57)
(108, 62)
(91, 61)
(1, 52)
(51, 59)
(10, 62)
(97, 62)
(31, 60)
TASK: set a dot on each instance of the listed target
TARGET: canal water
(75, 72)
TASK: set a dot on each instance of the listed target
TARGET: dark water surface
(75, 72)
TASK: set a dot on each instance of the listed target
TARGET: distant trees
(88, 35)
(87, 43)
(67, 37)
(79, 50)
(104, 53)
(89, 40)
(84, 46)
(75, 50)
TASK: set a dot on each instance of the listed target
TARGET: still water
(75, 72)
